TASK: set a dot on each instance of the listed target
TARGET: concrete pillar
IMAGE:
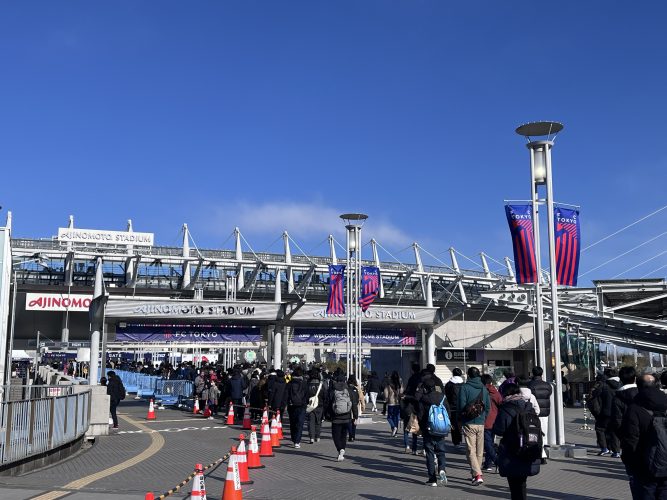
(278, 292)
(277, 347)
(430, 345)
(238, 255)
(186, 254)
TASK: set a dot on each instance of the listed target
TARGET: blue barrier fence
(168, 392)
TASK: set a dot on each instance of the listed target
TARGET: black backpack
(655, 458)
(594, 403)
(525, 436)
(297, 394)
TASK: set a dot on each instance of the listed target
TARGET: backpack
(594, 403)
(342, 402)
(655, 455)
(526, 436)
(296, 393)
(438, 420)
(474, 409)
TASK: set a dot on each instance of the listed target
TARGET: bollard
(585, 427)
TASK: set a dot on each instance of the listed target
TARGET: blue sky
(281, 115)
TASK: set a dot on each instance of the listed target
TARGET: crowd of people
(501, 428)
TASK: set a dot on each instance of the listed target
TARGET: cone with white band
(232, 489)
(254, 462)
(198, 486)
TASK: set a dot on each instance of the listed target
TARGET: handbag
(474, 409)
(314, 401)
(413, 425)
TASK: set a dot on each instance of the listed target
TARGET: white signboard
(201, 309)
(74, 235)
(57, 302)
(374, 314)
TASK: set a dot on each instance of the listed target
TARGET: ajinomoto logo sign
(57, 302)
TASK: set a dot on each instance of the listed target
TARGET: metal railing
(33, 426)
(22, 392)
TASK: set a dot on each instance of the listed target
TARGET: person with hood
(604, 391)
(116, 392)
(490, 460)
(622, 400)
(542, 391)
(277, 392)
(510, 465)
(392, 397)
(452, 392)
(373, 388)
(297, 400)
(199, 386)
(510, 378)
(473, 407)
(638, 436)
(343, 407)
(434, 446)
(316, 387)
(236, 387)
(527, 394)
(255, 395)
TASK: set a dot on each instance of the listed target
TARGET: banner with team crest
(520, 219)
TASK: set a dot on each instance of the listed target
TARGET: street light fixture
(540, 169)
(354, 222)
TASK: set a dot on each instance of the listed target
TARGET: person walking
(600, 404)
(527, 394)
(392, 397)
(434, 443)
(352, 424)
(542, 391)
(116, 392)
(510, 465)
(474, 404)
(409, 408)
(639, 437)
(622, 400)
(490, 459)
(316, 388)
(297, 400)
(343, 407)
(373, 388)
(452, 392)
(276, 392)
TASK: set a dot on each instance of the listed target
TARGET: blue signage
(186, 334)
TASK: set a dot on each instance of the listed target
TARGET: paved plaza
(155, 456)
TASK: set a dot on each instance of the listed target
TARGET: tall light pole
(354, 222)
(540, 166)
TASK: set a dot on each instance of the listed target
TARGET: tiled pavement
(375, 467)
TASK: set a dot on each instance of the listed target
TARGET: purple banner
(370, 286)
(186, 334)
(568, 245)
(336, 303)
(520, 219)
(339, 336)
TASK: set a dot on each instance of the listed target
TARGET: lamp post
(540, 167)
(354, 222)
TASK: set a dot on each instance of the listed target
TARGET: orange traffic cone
(242, 460)
(207, 411)
(196, 407)
(275, 441)
(280, 426)
(266, 449)
(265, 416)
(230, 414)
(232, 489)
(198, 486)
(254, 461)
(151, 412)
(149, 496)
(246, 418)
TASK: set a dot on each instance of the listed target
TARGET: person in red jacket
(489, 438)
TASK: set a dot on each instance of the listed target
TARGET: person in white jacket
(527, 394)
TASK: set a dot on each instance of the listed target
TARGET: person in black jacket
(622, 400)
(514, 468)
(408, 407)
(433, 445)
(316, 387)
(373, 388)
(604, 391)
(297, 399)
(452, 392)
(542, 391)
(277, 392)
(635, 440)
(116, 392)
(341, 398)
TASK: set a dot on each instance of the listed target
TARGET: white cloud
(302, 220)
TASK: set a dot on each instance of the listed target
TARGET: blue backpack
(438, 420)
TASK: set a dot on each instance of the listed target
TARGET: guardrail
(33, 426)
(22, 392)
(166, 391)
